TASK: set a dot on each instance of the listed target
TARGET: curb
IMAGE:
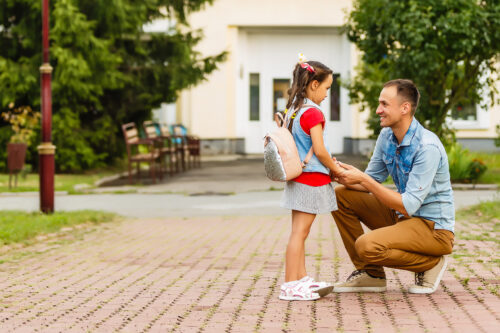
(28, 194)
(464, 187)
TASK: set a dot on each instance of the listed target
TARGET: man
(412, 229)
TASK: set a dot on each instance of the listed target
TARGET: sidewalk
(223, 275)
(213, 261)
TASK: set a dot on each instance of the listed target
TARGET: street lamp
(46, 149)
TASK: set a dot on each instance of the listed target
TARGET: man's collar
(409, 134)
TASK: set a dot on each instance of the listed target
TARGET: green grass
(485, 212)
(62, 182)
(484, 218)
(492, 161)
(17, 226)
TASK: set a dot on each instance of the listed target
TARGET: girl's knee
(300, 234)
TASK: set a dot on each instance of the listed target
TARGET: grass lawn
(17, 226)
(62, 182)
(482, 220)
(492, 161)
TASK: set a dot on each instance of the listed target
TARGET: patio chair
(165, 145)
(134, 155)
(180, 144)
(192, 143)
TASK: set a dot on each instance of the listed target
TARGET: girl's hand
(337, 171)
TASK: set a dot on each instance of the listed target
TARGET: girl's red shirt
(309, 119)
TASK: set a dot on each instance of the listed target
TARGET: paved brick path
(223, 275)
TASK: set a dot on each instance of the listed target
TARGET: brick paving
(223, 275)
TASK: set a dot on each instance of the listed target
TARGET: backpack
(281, 157)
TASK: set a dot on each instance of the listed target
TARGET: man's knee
(345, 197)
(446, 239)
(368, 249)
(340, 192)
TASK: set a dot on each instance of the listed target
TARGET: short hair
(407, 90)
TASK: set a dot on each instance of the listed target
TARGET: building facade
(233, 109)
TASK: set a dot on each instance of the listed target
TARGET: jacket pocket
(389, 162)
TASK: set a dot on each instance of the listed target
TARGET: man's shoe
(360, 281)
(427, 282)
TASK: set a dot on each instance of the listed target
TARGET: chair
(133, 142)
(165, 144)
(192, 143)
(181, 145)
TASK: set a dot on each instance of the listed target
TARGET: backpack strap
(310, 152)
(278, 118)
(308, 158)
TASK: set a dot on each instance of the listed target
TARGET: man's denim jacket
(419, 168)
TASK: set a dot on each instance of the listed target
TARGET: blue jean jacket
(419, 168)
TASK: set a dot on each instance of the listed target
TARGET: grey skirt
(309, 199)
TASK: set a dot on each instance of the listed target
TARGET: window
(335, 99)
(468, 114)
(280, 95)
(254, 96)
(465, 111)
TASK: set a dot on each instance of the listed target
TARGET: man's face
(389, 107)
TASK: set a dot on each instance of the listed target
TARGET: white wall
(210, 111)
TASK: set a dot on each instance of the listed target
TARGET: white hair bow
(302, 58)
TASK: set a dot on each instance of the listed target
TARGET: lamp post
(46, 149)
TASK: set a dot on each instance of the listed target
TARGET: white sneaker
(322, 288)
(297, 292)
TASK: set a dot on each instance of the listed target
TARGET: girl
(310, 193)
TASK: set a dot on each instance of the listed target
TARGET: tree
(449, 48)
(497, 140)
(107, 71)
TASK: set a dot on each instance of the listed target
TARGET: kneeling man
(412, 229)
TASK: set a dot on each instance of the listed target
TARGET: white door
(268, 58)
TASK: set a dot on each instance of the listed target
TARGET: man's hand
(350, 175)
(339, 170)
(357, 180)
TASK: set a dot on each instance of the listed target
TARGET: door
(268, 59)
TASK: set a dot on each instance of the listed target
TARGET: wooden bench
(133, 142)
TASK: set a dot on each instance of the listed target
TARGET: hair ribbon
(308, 67)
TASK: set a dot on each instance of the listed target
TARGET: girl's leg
(295, 251)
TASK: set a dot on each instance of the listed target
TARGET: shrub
(464, 168)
